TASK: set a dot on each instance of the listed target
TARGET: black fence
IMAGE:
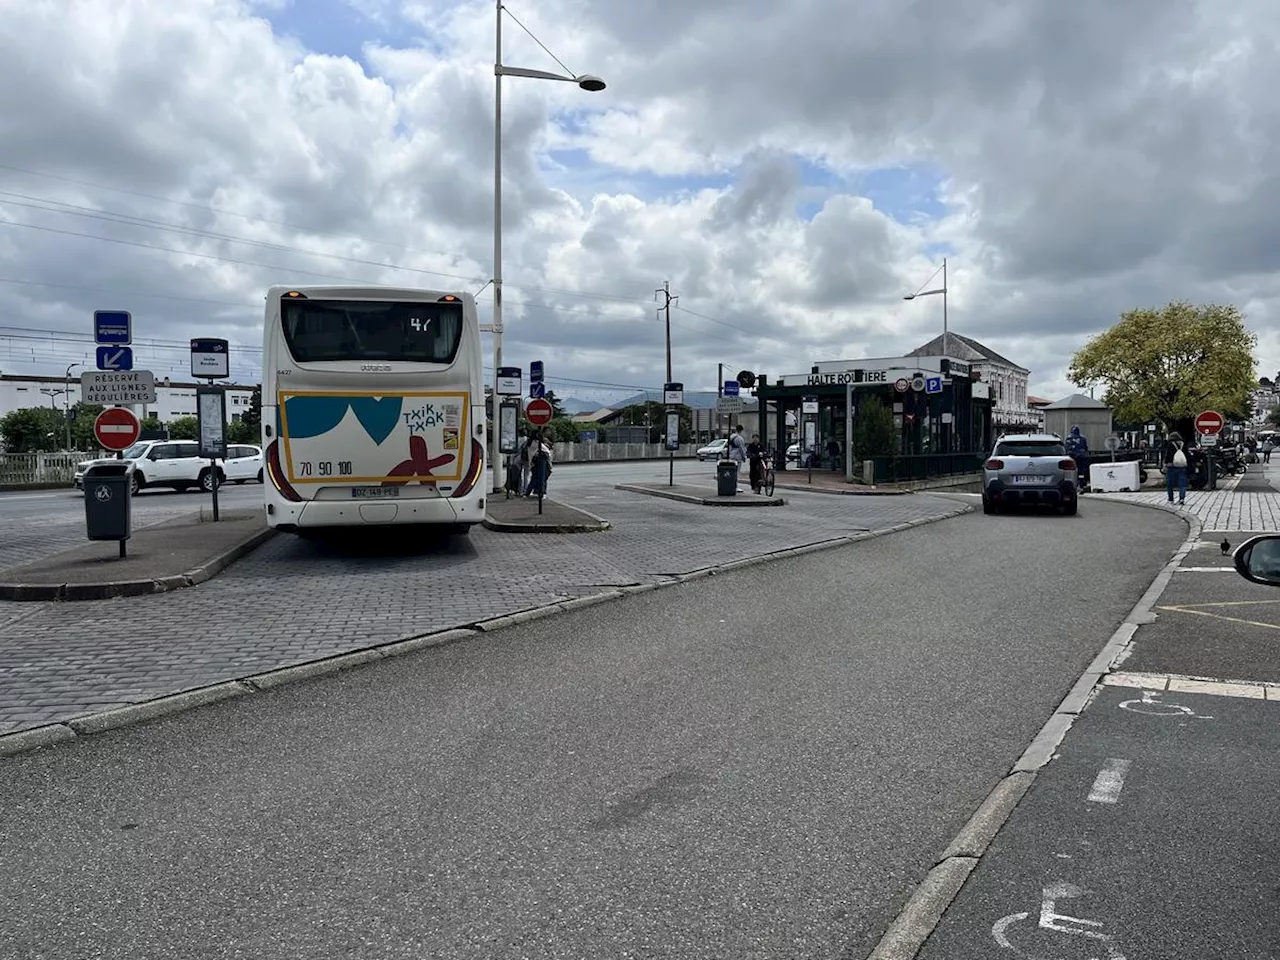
(924, 466)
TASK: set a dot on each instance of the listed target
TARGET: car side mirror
(1258, 559)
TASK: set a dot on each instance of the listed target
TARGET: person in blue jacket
(1078, 448)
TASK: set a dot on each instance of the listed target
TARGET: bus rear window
(1030, 448)
(327, 330)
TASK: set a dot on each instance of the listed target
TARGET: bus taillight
(475, 469)
(276, 474)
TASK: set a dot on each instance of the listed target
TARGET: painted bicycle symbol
(1151, 705)
(1103, 945)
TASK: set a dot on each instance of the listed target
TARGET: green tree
(557, 408)
(240, 432)
(152, 424)
(874, 434)
(653, 415)
(1169, 364)
(33, 430)
(184, 428)
(252, 417)
(1273, 417)
(82, 417)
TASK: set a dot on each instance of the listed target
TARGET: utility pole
(665, 290)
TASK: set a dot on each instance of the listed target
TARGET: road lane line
(1219, 616)
(1109, 781)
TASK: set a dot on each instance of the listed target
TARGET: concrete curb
(918, 918)
(871, 492)
(39, 737)
(597, 524)
(747, 500)
(43, 592)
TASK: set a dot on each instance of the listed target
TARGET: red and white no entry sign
(538, 412)
(1210, 422)
(117, 428)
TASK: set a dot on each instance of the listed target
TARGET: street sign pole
(211, 360)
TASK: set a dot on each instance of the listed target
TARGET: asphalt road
(761, 764)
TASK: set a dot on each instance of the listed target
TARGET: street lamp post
(66, 411)
(586, 82)
(946, 334)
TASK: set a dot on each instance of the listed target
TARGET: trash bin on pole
(726, 478)
(108, 513)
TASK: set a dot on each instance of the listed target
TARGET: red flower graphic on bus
(418, 466)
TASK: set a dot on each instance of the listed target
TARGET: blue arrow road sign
(115, 358)
(112, 326)
(537, 390)
(731, 388)
(535, 371)
(933, 385)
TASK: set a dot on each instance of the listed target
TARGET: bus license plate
(373, 493)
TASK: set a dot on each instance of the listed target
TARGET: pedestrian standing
(1267, 447)
(755, 451)
(1175, 467)
(525, 454)
(738, 448)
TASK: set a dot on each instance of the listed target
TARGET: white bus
(373, 408)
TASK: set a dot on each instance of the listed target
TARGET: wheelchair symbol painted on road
(1151, 705)
(102, 494)
(1050, 919)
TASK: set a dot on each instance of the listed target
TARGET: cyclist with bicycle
(756, 454)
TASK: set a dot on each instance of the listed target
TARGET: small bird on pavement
(1226, 546)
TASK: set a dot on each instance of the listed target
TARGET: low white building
(173, 398)
(1007, 380)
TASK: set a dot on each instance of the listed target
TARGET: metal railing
(925, 466)
(20, 469)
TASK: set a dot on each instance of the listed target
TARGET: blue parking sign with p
(933, 385)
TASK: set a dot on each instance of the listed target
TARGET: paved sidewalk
(292, 601)
(160, 557)
(1218, 509)
(523, 515)
(704, 496)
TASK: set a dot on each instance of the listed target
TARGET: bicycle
(767, 478)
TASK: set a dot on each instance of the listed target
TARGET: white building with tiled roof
(1008, 380)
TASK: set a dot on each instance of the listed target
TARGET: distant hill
(573, 406)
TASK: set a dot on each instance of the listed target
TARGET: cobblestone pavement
(293, 601)
(1251, 509)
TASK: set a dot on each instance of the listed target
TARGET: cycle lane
(1152, 833)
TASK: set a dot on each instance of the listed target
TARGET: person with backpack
(1175, 466)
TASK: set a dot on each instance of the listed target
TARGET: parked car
(177, 464)
(793, 452)
(1028, 469)
(713, 450)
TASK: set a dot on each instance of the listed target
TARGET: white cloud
(1095, 157)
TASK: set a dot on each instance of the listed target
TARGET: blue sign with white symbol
(731, 388)
(933, 385)
(537, 390)
(115, 358)
(535, 371)
(113, 326)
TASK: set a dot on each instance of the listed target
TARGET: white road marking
(1209, 686)
(1156, 708)
(1206, 569)
(1109, 782)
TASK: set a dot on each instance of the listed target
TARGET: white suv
(176, 464)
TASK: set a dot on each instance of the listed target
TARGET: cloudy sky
(791, 169)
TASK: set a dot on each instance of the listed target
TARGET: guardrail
(38, 469)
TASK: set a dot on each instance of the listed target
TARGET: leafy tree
(1169, 364)
(184, 428)
(33, 430)
(252, 417)
(874, 434)
(1273, 417)
(240, 432)
(152, 424)
(82, 417)
(653, 415)
(557, 408)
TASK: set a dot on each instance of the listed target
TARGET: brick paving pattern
(1217, 509)
(293, 601)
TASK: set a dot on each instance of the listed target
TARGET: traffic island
(520, 515)
(162, 557)
(704, 496)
